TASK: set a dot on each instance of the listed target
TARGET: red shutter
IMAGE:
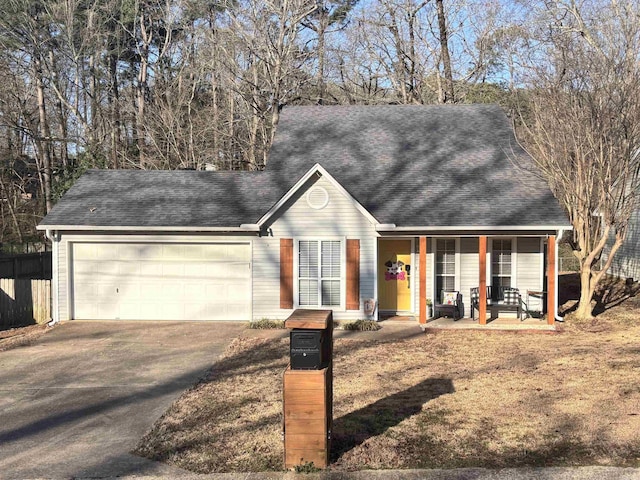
(286, 273)
(353, 274)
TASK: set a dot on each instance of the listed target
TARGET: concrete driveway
(75, 403)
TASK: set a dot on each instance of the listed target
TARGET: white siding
(530, 270)
(340, 218)
(469, 270)
(63, 274)
(626, 262)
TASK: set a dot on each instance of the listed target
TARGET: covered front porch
(483, 302)
(483, 272)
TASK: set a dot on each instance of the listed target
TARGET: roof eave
(155, 228)
(390, 228)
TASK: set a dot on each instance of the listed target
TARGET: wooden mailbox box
(308, 398)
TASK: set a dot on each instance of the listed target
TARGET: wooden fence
(26, 265)
(24, 301)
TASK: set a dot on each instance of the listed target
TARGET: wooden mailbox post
(308, 395)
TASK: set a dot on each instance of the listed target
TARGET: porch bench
(509, 300)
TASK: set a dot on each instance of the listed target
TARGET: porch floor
(445, 323)
(500, 323)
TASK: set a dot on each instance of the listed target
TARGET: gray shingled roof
(420, 165)
(161, 198)
(408, 165)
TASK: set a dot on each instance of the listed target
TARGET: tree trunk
(44, 140)
(93, 86)
(255, 121)
(446, 59)
(587, 288)
(323, 24)
(231, 144)
(140, 96)
(60, 111)
(11, 210)
(141, 90)
(216, 116)
(114, 110)
(416, 94)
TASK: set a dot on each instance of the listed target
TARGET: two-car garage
(160, 281)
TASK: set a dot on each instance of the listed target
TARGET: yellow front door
(394, 275)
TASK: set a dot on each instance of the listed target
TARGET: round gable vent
(317, 198)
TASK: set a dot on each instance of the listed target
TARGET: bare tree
(269, 31)
(582, 125)
(330, 16)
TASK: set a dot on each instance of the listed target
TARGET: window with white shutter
(319, 273)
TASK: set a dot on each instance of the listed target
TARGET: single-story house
(392, 203)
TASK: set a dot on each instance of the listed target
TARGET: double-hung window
(445, 266)
(500, 267)
(319, 273)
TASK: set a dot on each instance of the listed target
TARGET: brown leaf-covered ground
(20, 336)
(446, 399)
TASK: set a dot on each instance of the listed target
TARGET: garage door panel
(215, 253)
(87, 266)
(87, 291)
(195, 292)
(150, 291)
(237, 311)
(127, 251)
(231, 271)
(128, 309)
(173, 269)
(238, 253)
(89, 310)
(161, 281)
(150, 270)
(103, 254)
(106, 291)
(237, 292)
(87, 251)
(196, 270)
(194, 252)
(104, 310)
(173, 252)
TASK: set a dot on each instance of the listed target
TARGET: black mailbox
(308, 349)
(311, 339)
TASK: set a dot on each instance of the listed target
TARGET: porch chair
(450, 306)
(475, 299)
(512, 300)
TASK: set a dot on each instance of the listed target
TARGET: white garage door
(161, 281)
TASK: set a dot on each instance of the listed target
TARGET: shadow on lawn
(610, 293)
(356, 427)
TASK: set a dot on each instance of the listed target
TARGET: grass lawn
(440, 400)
